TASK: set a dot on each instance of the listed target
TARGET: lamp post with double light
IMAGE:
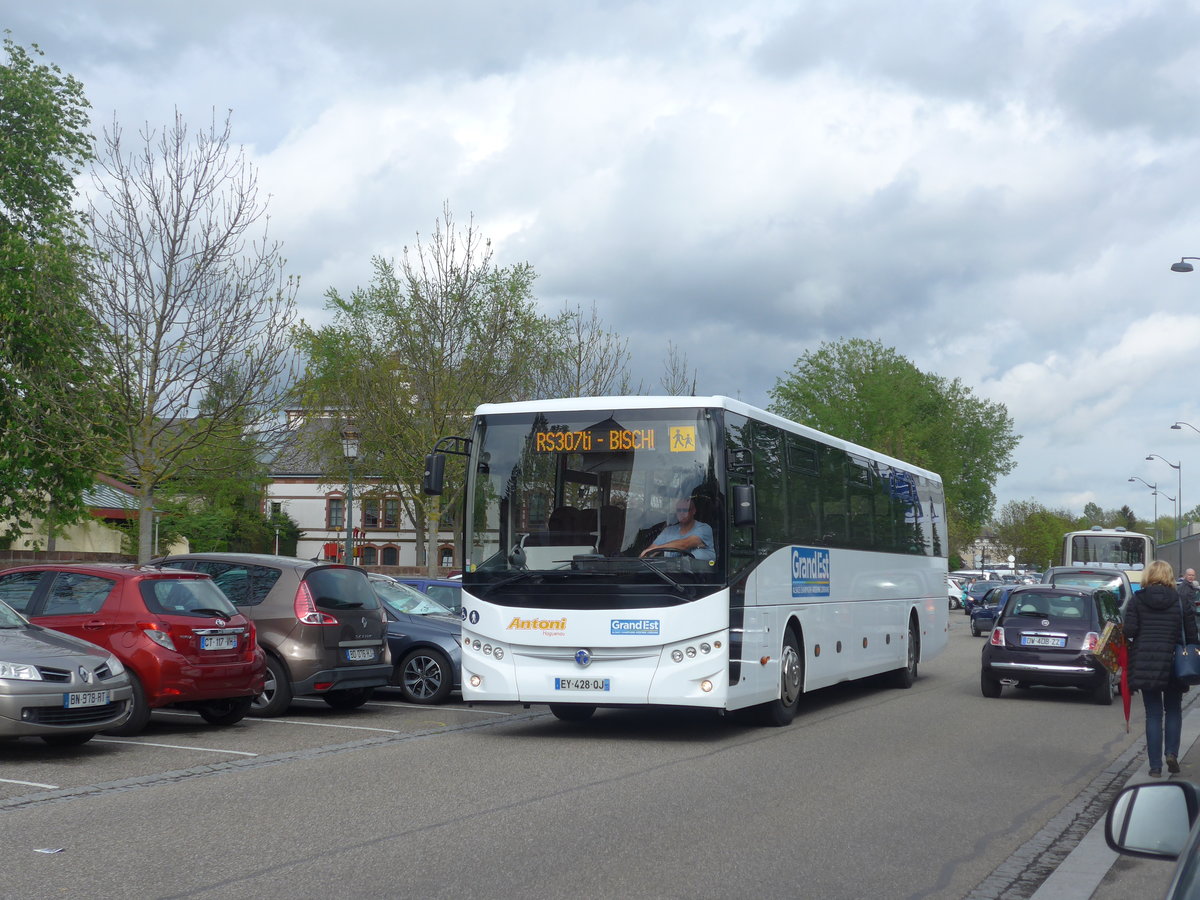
(1153, 490)
(1178, 467)
(350, 451)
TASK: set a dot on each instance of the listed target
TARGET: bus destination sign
(598, 440)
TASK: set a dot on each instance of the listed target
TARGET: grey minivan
(320, 625)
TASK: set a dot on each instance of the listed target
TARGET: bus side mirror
(435, 473)
(743, 505)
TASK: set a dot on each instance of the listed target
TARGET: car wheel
(990, 686)
(225, 712)
(68, 740)
(791, 685)
(276, 696)
(140, 716)
(425, 676)
(904, 677)
(1102, 694)
(350, 698)
(571, 712)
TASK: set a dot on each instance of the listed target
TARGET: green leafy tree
(196, 300)
(1031, 532)
(409, 357)
(53, 382)
(869, 394)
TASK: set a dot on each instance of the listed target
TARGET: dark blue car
(985, 611)
(424, 638)
(445, 591)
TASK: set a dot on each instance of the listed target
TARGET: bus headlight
(705, 648)
(691, 652)
(498, 653)
(706, 686)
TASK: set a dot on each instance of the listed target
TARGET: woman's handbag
(1187, 656)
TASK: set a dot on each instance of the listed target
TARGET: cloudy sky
(997, 190)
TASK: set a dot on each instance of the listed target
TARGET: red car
(181, 640)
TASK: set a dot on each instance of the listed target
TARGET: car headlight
(19, 672)
(114, 665)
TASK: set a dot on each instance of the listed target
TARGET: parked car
(976, 591)
(57, 687)
(182, 643)
(425, 639)
(446, 591)
(1048, 635)
(319, 624)
(1094, 577)
(1159, 821)
(984, 613)
(955, 592)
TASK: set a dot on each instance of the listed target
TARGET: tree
(409, 357)
(1032, 532)
(54, 417)
(677, 380)
(586, 360)
(196, 300)
(870, 394)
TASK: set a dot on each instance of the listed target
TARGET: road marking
(402, 705)
(174, 746)
(331, 725)
(52, 787)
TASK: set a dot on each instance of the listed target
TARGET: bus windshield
(1113, 550)
(586, 495)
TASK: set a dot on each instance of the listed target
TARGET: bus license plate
(360, 653)
(1038, 640)
(218, 642)
(86, 698)
(582, 684)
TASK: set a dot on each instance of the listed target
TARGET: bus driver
(688, 534)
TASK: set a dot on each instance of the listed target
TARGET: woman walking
(1154, 624)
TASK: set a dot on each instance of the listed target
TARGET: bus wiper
(659, 572)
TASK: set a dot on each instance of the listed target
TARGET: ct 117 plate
(218, 642)
(582, 684)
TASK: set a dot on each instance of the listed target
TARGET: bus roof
(604, 404)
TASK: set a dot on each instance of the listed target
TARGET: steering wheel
(662, 551)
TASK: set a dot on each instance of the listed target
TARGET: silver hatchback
(57, 687)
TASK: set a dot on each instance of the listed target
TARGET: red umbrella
(1123, 661)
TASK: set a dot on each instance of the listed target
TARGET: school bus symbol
(682, 438)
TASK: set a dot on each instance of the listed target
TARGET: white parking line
(52, 787)
(331, 725)
(174, 746)
(402, 705)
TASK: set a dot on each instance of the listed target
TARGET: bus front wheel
(791, 684)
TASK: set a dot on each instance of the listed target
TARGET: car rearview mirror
(1152, 820)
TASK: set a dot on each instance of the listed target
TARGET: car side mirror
(1152, 820)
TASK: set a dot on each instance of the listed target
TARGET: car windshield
(10, 618)
(1049, 605)
(401, 598)
(1091, 580)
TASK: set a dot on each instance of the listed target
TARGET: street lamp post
(1154, 491)
(1178, 467)
(1182, 266)
(350, 451)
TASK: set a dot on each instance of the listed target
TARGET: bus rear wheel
(791, 685)
(572, 712)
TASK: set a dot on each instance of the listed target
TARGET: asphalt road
(872, 792)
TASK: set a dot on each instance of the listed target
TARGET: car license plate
(218, 642)
(78, 699)
(1041, 640)
(360, 653)
(582, 684)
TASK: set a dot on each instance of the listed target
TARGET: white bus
(1112, 548)
(828, 560)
